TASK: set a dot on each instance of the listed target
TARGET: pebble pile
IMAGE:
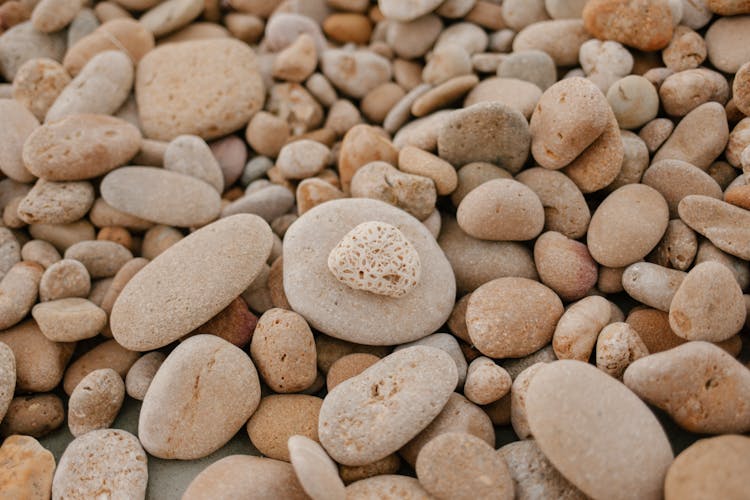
(368, 237)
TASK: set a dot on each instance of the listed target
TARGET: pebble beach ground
(392, 249)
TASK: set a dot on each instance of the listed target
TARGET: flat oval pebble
(207, 107)
(708, 305)
(69, 320)
(101, 258)
(95, 402)
(161, 196)
(461, 466)
(141, 374)
(709, 468)
(56, 202)
(642, 24)
(106, 460)
(725, 225)
(698, 384)
(241, 476)
(579, 326)
(564, 265)
(560, 38)
(223, 257)
(80, 147)
(491, 132)
(501, 210)
(175, 422)
(315, 470)
(336, 309)
(355, 73)
(675, 179)
(512, 317)
(18, 292)
(403, 393)
(597, 433)
(278, 418)
(627, 225)
(27, 470)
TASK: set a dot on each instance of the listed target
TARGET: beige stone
(278, 418)
(95, 402)
(27, 469)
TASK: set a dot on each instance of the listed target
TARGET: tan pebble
(560, 38)
(517, 94)
(474, 174)
(190, 155)
(315, 470)
(269, 202)
(387, 487)
(108, 354)
(342, 116)
(709, 468)
(518, 400)
(678, 247)
(723, 224)
(686, 50)
(235, 323)
(600, 164)
(355, 72)
(118, 235)
(238, 475)
(36, 415)
(165, 119)
(141, 373)
(564, 265)
(14, 13)
(741, 89)
(415, 161)
(95, 402)
(69, 320)
(461, 466)
(107, 11)
(630, 453)
(348, 27)
(40, 251)
(412, 39)
(18, 123)
(645, 25)
(739, 139)
(11, 220)
(708, 305)
(28, 468)
(652, 284)
(283, 349)
(690, 140)
(349, 366)
(738, 196)
(102, 259)
(486, 382)
(106, 459)
(330, 349)
(635, 160)
(158, 239)
(297, 61)
(617, 347)
(231, 154)
(56, 202)
(210, 365)
(401, 110)
(101, 87)
(23, 42)
(443, 94)
(568, 118)
(423, 133)
(380, 101)
(361, 145)
(62, 236)
(393, 9)
(515, 366)
(278, 418)
(50, 16)
(444, 342)
(619, 236)
(656, 132)
(38, 83)
(634, 101)
(605, 62)
(302, 159)
(161, 196)
(118, 34)
(64, 278)
(692, 383)
(578, 328)
(533, 66)
(381, 181)
(726, 41)
(39, 361)
(102, 214)
(18, 292)
(294, 104)
(170, 15)
(708, 252)
(313, 192)
(653, 328)
(276, 284)
(445, 63)
(244, 27)
(385, 466)
(533, 474)
(684, 91)
(468, 35)
(499, 309)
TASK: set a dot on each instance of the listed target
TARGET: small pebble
(95, 402)
(27, 470)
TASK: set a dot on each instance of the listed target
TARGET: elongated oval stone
(190, 282)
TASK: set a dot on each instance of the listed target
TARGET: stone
(125, 34)
(315, 470)
(95, 402)
(208, 107)
(141, 373)
(7, 378)
(512, 317)
(579, 326)
(17, 125)
(722, 223)
(387, 487)
(400, 11)
(174, 423)
(23, 42)
(381, 181)
(692, 383)
(564, 265)
(190, 155)
(675, 179)
(629, 454)
(691, 141)
(18, 292)
(486, 382)
(27, 468)
(64, 278)
(278, 418)
(682, 92)
(108, 354)
(105, 460)
(617, 347)
(269, 203)
(339, 311)
(561, 39)
(101, 258)
(56, 202)
(170, 15)
(69, 320)
(355, 73)
(726, 43)
(418, 162)
(38, 83)
(634, 101)
(302, 159)
(403, 392)
(652, 284)
(644, 24)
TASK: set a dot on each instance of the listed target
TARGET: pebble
(102, 259)
(10, 251)
(533, 66)
(675, 179)
(347, 367)
(355, 73)
(634, 101)
(445, 63)
(708, 305)
(380, 101)
(202, 363)
(564, 265)
(22, 43)
(18, 292)
(741, 89)
(56, 202)
(400, 11)
(64, 278)
(190, 155)
(69, 320)
(726, 43)
(110, 460)
(461, 466)
(682, 92)
(644, 25)
(38, 83)
(600, 436)
(722, 223)
(283, 29)
(108, 354)
(605, 62)
(379, 180)
(578, 328)
(238, 475)
(141, 373)
(652, 284)
(442, 95)
(302, 159)
(170, 15)
(17, 125)
(486, 382)
(627, 225)
(710, 467)
(95, 402)
(361, 145)
(387, 487)
(692, 383)
(278, 418)
(656, 132)
(27, 470)
(403, 392)
(618, 346)
(413, 39)
(207, 107)
(653, 328)
(518, 400)
(315, 470)
(691, 140)
(36, 415)
(501, 210)
(126, 35)
(533, 475)
(687, 50)
(297, 61)
(418, 162)
(600, 164)
(489, 132)
(561, 39)
(501, 308)
(518, 14)
(101, 87)
(339, 311)
(517, 94)
(569, 117)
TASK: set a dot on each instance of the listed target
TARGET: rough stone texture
(27, 469)
(278, 418)
(642, 24)
(725, 225)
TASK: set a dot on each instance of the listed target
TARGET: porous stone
(278, 418)
(27, 468)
